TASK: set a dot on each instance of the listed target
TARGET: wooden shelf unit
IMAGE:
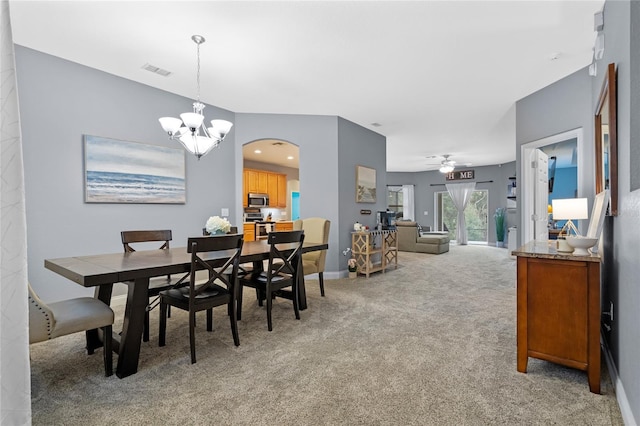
(374, 250)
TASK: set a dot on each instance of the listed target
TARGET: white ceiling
(439, 77)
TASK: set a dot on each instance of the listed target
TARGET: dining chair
(282, 272)
(70, 316)
(316, 230)
(156, 284)
(219, 290)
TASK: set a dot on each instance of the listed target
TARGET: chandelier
(189, 129)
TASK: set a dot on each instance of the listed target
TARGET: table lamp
(569, 209)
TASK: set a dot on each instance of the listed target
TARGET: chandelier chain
(198, 72)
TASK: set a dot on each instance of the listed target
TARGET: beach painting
(365, 184)
(128, 172)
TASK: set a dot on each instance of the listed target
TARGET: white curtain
(408, 205)
(15, 388)
(460, 195)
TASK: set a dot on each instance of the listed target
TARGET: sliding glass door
(475, 214)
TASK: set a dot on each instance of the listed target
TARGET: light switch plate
(224, 212)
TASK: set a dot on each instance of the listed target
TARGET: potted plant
(500, 217)
(353, 268)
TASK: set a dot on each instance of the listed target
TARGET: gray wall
(426, 184)
(621, 233)
(562, 106)
(358, 146)
(59, 102)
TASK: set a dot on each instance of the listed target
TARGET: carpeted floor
(431, 343)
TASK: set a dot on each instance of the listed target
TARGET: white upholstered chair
(316, 230)
(57, 319)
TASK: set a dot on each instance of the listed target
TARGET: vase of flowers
(353, 268)
(217, 225)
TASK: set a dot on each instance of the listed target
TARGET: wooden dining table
(135, 269)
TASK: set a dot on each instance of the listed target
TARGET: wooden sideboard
(558, 303)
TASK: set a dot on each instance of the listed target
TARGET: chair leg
(145, 327)
(192, 336)
(259, 297)
(239, 303)
(269, 305)
(234, 323)
(295, 289)
(321, 280)
(169, 312)
(163, 324)
(209, 319)
(108, 352)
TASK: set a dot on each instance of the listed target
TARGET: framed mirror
(606, 140)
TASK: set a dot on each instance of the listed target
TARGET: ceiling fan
(446, 165)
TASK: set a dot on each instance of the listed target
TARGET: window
(475, 214)
(394, 200)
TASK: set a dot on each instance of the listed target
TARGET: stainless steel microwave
(258, 200)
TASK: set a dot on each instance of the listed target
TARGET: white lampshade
(570, 208)
(220, 128)
(170, 124)
(198, 145)
(192, 120)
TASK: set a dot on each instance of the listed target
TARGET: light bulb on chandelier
(187, 128)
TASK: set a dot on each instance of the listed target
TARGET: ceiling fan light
(446, 168)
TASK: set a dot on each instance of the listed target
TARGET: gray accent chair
(410, 239)
(57, 319)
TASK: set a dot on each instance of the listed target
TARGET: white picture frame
(598, 212)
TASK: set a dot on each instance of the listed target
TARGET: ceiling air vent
(156, 70)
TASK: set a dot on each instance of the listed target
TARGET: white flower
(217, 223)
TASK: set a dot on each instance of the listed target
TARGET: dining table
(135, 269)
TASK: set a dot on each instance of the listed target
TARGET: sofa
(411, 239)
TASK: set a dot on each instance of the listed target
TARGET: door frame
(525, 196)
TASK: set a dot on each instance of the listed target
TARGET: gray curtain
(460, 195)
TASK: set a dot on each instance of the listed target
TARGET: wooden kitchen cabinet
(263, 182)
(282, 191)
(558, 309)
(249, 231)
(272, 189)
(284, 226)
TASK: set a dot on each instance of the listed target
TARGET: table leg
(102, 293)
(131, 338)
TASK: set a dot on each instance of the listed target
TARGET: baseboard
(621, 396)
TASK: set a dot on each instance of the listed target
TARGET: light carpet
(431, 343)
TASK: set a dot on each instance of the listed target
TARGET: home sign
(460, 175)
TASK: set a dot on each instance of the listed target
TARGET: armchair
(57, 319)
(316, 229)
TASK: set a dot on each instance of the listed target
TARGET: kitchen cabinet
(249, 231)
(263, 182)
(284, 226)
(282, 191)
(272, 189)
